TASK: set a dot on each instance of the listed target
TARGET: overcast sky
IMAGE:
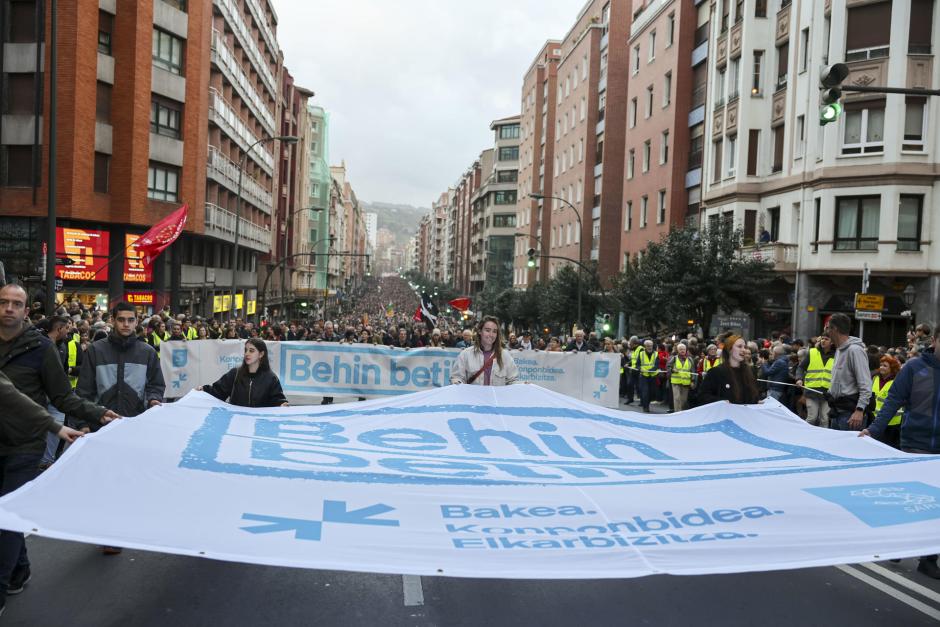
(412, 85)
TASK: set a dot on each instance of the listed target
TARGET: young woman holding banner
(486, 363)
(253, 384)
(732, 380)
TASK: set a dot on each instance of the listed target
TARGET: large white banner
(314, 369)
(514, 482)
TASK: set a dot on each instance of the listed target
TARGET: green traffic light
(531, 263)
(606, 326)
(829, 113)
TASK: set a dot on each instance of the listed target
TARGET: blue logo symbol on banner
(885, 504)
(333, 512)
(180, 357)
(601, 369)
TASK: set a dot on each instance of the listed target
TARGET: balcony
(222, 113)
(232, 15)
(735, 38)
(718, 122)
(220, 223)
(224, 59)
(779, 107)
(782, 31)
(224, 171)
(783, 256)
(721, 51)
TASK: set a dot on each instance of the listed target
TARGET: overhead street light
(580, 240)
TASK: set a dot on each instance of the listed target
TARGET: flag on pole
(417, 316)
(428, 310)
(390, 311)
(460, 304)
(162, 234)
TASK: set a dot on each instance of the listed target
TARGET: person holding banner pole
(253, 384)
(731, 380)
(485, 362)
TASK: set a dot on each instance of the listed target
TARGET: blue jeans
(52, 440)
(646, 385)
(839, 419)
(15, 471)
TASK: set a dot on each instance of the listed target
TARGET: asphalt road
(75, 585)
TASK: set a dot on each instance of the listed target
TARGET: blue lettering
(455, 511)
(299, 367)
(339, 365)
(399, 375)
(436, 469)
(404, 439)
(420, 376)
(302, 430)
(598, 447)
(274, 452)
(471, 439)
(321, 372)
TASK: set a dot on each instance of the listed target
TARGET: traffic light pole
(875, 89)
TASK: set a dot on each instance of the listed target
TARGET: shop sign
(139, 298)
(135, 269)
(88, 249)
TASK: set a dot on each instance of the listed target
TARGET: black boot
(929, 567)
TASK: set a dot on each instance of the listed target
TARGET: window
(720, 87)
(163, 182)
(857, 222)
(734, 71)
(756, 71)
(636, 59)
(773, 217)
(652, 45)
(580, 150)
(633, 107)
(696, 146)
(504, 197)
(716, 164)
(631, 163)
(103, 102)
(167, 51)
(629, 212)
(507, 176)
(504, 220)
(664, 148)
(732, 154)
(509, 153)
(864, 128)
(599, 150)
(777, 163)
(20, 93)
(16, 166)
(646, 155)
(800, 145)
(868, 31)
(649, 101)
(816, 215)
(584, 68)
(22, 24)
(671, 30)
(760, 8)
(644, 205)
(105, 28)
(783, 64)
(165, 117)
(921, 28)
(667, 89)
(102, 171)
(910, 216)
(804, 49)
(583, 108)
(510, 131)
(661, 207)
(601, 105)
(915, 121)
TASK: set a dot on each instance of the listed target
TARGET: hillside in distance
(401, 220)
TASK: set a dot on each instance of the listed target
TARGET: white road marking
(923, 591)
(411, 586)
(897, 594)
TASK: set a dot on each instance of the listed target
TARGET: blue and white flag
(472, 481)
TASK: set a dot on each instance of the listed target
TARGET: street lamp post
(910, 296)
(290, 139)
(580, 241)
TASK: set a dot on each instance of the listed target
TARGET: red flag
(417, 316)
(162, 234)
(460, 304)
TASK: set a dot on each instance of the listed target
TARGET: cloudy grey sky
(412, 85)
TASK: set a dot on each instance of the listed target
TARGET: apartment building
(317, 220)
(536, 149)
(464, 192)
(437, 241)
(116, 172)
(665, 120)
(347, 259)
(833, 198)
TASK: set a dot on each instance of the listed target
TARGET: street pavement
(75, 585)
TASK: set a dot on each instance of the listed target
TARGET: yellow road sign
(869, 302)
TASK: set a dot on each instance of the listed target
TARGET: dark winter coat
(261, 389)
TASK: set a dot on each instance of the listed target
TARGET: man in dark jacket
(121, 372)
(917, 390)
(31, 361)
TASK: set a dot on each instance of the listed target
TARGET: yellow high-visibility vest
(191, 333)
(681, 372)
(73, 359)
(881, 395)
(818, 374)
(648, 364)
(635, 358)
(706, 365)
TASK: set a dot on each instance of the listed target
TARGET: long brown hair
(742, 379)
(497, 345)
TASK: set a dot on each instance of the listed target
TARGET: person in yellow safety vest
(887, 371)
(648, 370)
(680, 368)
(710, 360)
(189, 331)
(158, 334)
(634, 348)
(815, 373)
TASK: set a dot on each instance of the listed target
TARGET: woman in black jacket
(253, 384)
(732, 380)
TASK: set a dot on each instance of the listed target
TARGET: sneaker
(111, 550)
(929, 568)
(18, 580)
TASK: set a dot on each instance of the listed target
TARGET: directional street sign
(868, 316)
(870, 302)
